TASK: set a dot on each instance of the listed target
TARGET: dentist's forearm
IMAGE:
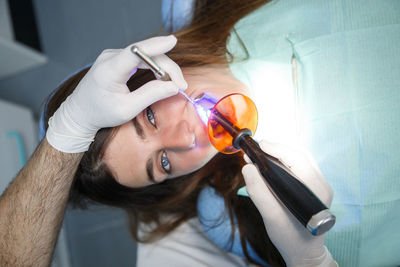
(33, 206)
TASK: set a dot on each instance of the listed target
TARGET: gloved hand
(102, 99)
(295, 243)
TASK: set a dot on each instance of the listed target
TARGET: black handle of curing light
(296, 196)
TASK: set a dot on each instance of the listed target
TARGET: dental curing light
(231, 123)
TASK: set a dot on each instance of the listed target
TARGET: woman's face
(168, 139)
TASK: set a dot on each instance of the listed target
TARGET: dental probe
(201, 104)
(164, 76)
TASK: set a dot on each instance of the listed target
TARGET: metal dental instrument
(297, 197)
(150, 63)
(164, 76)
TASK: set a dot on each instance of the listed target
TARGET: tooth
(193, 141)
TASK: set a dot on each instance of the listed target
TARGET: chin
(212, 152)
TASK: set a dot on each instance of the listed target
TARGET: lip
(198, 96)
(193, 144)
(199, 129)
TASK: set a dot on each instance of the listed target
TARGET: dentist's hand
(102, 98)
(295, 243)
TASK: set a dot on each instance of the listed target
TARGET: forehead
(122, 158)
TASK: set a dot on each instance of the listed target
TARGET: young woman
(156, 165)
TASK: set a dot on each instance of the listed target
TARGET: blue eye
(165, 163)
(150, 116)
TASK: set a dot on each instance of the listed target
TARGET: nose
(178, 136)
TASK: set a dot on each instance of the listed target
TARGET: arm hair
(33, 206)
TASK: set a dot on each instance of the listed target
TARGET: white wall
(18, 139)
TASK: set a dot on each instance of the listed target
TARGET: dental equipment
(150, 63)
(231, 122)
(296, 196)
(164, 76)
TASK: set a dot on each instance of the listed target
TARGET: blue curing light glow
(204, 114)
(204, 105)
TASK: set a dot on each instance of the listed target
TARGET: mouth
(204, 105)
(198, 96)
(200, 136)
(193, 144)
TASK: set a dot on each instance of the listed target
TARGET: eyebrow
(139, 128)
(149, 170)
(149, 164)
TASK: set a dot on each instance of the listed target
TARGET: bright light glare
(204, 105)
(203, 114)
(273, 92)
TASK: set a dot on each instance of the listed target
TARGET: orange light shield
(241, 111)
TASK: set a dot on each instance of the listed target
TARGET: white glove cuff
(67, 143)
(64, 135)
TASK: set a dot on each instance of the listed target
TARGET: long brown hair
(202, 42)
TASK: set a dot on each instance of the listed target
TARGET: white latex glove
(295, 243)
(102, 99)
